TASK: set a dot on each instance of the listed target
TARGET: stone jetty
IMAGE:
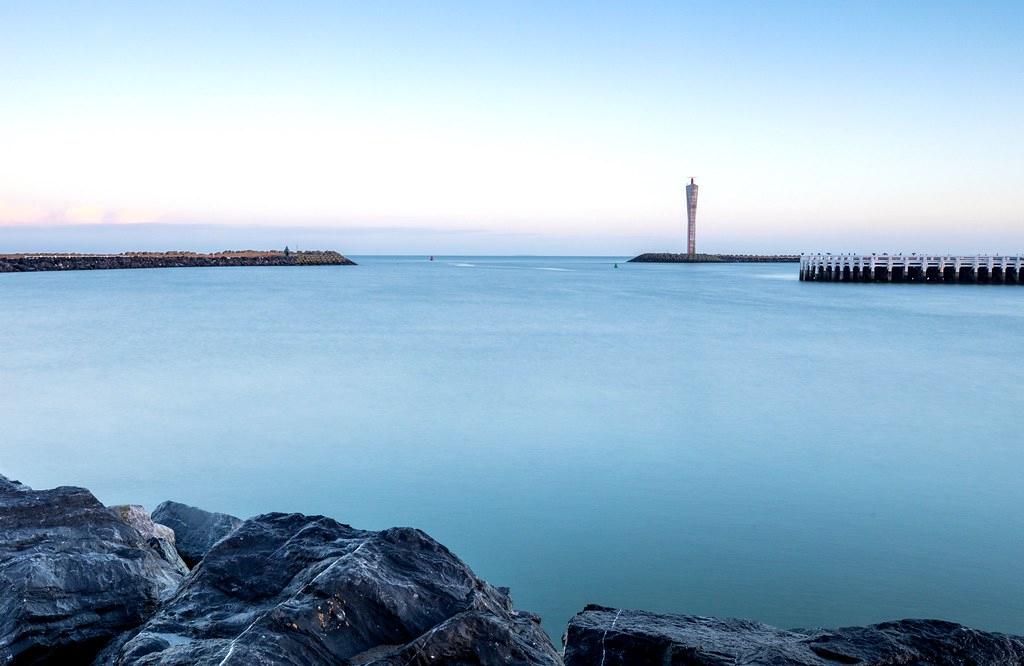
(671, 258)
(81, 583)
(18, 263)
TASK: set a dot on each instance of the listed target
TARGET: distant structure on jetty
(915, 268)
(19, 263)
(671, 258)
(692, 257)
(691, 219)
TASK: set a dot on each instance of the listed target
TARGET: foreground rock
(195, 530)
(295, 589)
(607, 636)
(72, 575)
(159, 537)
(81, 583)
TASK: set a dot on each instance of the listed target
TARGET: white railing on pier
(999, 268)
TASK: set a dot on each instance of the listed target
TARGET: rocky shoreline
(81, 583)
(673, 258)
(22, 263)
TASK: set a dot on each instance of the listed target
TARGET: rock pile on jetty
(21, 263)
(81, 583)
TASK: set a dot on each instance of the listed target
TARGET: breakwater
(672, 258)
(912, 268)
(20, 263)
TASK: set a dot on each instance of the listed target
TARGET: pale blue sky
(519, 127)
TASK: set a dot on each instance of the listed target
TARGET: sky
(512, 128)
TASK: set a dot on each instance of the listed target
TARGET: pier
(912, 268)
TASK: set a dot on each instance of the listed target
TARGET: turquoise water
(707, 439)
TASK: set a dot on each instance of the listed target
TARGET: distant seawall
(20, 263)
(670, 258)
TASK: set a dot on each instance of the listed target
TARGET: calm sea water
(705, 439)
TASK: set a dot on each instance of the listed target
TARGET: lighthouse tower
(691, 219)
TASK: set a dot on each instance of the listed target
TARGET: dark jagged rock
(917, 642)
(195, 530)
(72, 575)
(474, 637)
(607, 636)
(159, 537)
(295, 589)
